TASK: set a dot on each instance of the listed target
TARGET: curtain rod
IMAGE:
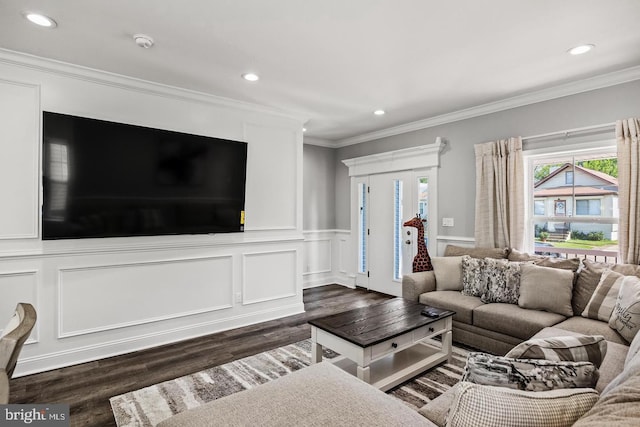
(566, 133)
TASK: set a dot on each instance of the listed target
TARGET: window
(568, 177)
(573, 205)
(397, 229)
(362, 227)
(423, 203)
(588, 207)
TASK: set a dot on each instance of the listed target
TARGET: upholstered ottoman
(320, 395)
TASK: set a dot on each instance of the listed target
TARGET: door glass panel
(397, 229)
(423, 204)
(362, 227)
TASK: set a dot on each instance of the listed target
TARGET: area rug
(148, 406)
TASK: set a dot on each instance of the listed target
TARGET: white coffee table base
(391, 362)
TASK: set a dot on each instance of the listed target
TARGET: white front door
(391, 203)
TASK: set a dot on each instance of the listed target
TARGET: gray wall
(319, 209)
(456, 177)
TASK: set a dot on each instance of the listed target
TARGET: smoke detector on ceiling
(143, 40)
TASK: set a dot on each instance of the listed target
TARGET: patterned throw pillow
(625, 317)
(485, 406)
(502, 283)
(604, 297)
(586, 348)
(473, 279)
(528, 374)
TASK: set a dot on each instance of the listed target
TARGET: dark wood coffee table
(384, 344)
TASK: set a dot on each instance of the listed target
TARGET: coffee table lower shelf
(398, 367)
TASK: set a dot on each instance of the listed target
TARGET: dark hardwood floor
(88, 387)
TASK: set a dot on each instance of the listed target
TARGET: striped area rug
(150, 405)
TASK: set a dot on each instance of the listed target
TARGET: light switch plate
(447, 222)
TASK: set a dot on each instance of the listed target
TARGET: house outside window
(568, 177)
(589, 207)
(574, 203)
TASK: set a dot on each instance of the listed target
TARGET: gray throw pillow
(528, 374)
(545, 288)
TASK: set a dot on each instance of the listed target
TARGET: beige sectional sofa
(497, 327)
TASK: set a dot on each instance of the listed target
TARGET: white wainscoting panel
(317, 256)
(19, 162)
(269, 275)
(99, 298)
(15, 287)
(327, 259)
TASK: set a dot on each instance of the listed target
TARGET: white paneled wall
(327, 258)
(101, 297)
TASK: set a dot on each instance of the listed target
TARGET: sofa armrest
(415, 284)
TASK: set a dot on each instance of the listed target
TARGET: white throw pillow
(625, 317)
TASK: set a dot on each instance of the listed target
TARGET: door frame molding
(423, 161)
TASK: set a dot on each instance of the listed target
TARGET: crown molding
(92, 75)
(572, 88)
(310, 140)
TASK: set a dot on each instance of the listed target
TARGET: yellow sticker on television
(241, 217)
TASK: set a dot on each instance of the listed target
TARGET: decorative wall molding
(424, 156)
(114, 347)
(112, 268)
(332, 255)
(572, 88)
(270, 274)
(20, 286)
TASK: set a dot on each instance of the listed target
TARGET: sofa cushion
(453, 250)
(613, 362)
(486, 406)
(586, 348)
(510, 319)
(448, 272)
(625, 317)
(563, 263)
(453, 300)
(618, 406)
(474, 281)
(528, 374)
(634, 349)
(437, 410)
(586, 326)
(604, 297)
(545, 288)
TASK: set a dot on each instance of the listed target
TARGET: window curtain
(627, 133)
(500, 194)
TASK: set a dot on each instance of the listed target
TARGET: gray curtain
(627, 133)
(500, 194)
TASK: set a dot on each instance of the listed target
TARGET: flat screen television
(105, 179)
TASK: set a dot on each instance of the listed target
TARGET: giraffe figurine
(422, 260)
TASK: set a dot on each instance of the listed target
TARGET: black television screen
(105, 179)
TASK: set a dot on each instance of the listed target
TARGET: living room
(97, 298)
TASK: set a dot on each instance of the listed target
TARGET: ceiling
(336, 61)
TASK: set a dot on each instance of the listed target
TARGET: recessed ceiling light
(379, 112)
(252, 77)
(579, 50)
(41, 20)
(304, 129)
